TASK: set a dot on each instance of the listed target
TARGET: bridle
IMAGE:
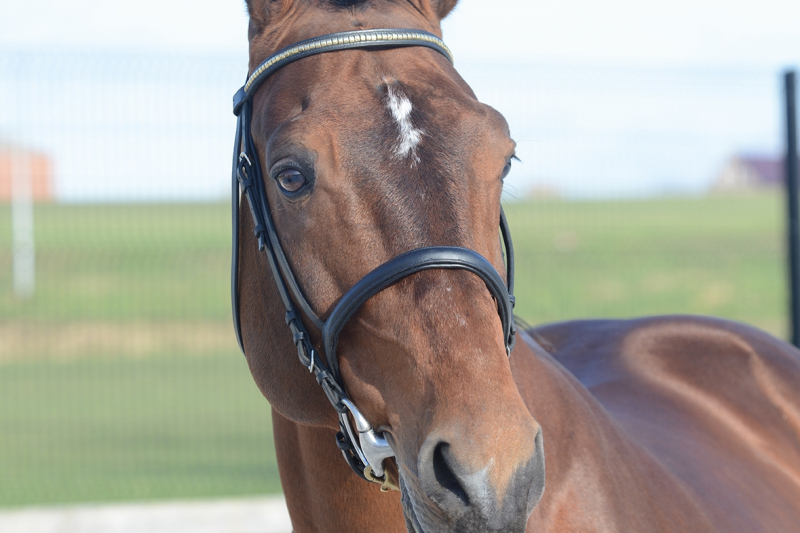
(366, 453)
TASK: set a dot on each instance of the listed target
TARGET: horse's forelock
(441, 7)
(347, 3)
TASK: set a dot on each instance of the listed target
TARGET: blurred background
(651, 182)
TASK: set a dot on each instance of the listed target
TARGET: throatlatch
(363, 448)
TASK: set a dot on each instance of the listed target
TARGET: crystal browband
(335, 42)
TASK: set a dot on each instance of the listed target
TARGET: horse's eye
(506, 170)
(291, 180)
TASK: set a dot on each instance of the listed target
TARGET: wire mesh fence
(638, 191)
(119, 372)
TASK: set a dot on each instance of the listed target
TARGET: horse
(376, 242)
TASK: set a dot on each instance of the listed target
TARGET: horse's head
(367, 154)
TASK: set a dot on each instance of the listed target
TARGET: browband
(334, 42)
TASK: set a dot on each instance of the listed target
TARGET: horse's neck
(322, 493)
(598, 479)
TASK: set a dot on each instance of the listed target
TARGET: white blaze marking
(400, 107)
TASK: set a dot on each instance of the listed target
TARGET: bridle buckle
(311, 366)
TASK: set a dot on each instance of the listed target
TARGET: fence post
(793, 233)
(24, 255)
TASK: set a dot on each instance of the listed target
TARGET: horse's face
(366, 155)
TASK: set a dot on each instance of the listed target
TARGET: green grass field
(121, 429)
(121, 378)
(712, 256)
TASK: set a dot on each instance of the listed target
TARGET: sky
(612, 98)
(728, 33)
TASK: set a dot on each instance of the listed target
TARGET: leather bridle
(366, 453)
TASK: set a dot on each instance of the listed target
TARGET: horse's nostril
(443, 471)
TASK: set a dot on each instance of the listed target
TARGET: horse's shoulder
(708, 363)
(717, 402)
(711, 352)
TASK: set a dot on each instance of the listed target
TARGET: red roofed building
(33, 165)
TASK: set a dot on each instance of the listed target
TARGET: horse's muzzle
(453, 496)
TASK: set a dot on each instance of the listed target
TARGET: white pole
(22, 224)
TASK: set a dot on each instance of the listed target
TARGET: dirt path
(255, 515)
(68, 340)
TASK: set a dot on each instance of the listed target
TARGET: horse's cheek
(283, 381)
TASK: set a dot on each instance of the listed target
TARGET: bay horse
(373, 177)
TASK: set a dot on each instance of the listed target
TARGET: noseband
(366, 451)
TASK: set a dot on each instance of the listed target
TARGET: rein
(364, 449)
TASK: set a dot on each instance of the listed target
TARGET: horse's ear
(437, 8)
(261, 11)
(443, 7)
(259, 15)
